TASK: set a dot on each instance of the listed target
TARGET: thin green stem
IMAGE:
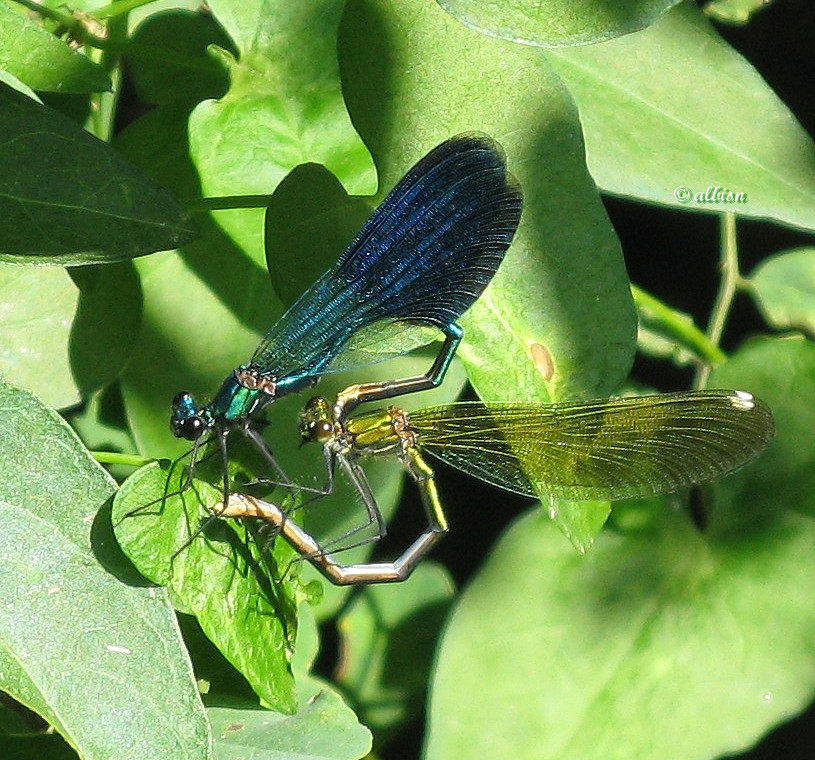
(115, 457)
(679, 326)
(221, 203)
(730, 282)
(74, 26)
(66, 19)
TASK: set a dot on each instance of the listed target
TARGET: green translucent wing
(609, 449)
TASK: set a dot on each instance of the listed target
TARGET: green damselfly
(610, 449)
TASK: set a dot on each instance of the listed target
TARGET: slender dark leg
(354, 395)
(370, 572)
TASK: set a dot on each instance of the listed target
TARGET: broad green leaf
(389, 635)
(41, 60)
(663, 111)
(534, 335)
(284, 108)
(77, 641)
(555, 24)
(619, 652)
(106, 323)
(325, 729)
(783, 287)
(38, 308)
(70, 198)
(243, 596)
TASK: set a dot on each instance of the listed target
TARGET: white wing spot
(743, 400)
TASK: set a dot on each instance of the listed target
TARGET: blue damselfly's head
(187, 421)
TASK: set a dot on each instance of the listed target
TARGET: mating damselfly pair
(420, 261)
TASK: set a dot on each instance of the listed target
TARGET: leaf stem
(74, 26)
(683, 329)
(115, 457)
(730, 282)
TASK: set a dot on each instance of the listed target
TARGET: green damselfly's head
(316, 422)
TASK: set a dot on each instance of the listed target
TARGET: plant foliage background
(155, 223)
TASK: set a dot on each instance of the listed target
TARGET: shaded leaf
(580, 652)
(553, 24)
(106, 323)
(309, 222)
(780, 371)
(191, 74)
(70, 198)
(325, 729)
(389, 635)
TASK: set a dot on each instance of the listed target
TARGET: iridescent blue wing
(424, 256)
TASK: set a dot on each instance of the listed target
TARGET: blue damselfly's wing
(420, 261)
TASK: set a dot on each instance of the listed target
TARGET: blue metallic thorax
(233, 402)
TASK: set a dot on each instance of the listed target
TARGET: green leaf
(66, 197)
(783, 287)
(781, 372)
(106, 323)
(389, 635)
(533, 335)
(580, 521)
(38, 308)
(284, 108)
(663, 111)
(553, 24)
(325, 729)
(599, 644)
(564, 274)
(242, 595)
(77, 642)
(41, 60)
